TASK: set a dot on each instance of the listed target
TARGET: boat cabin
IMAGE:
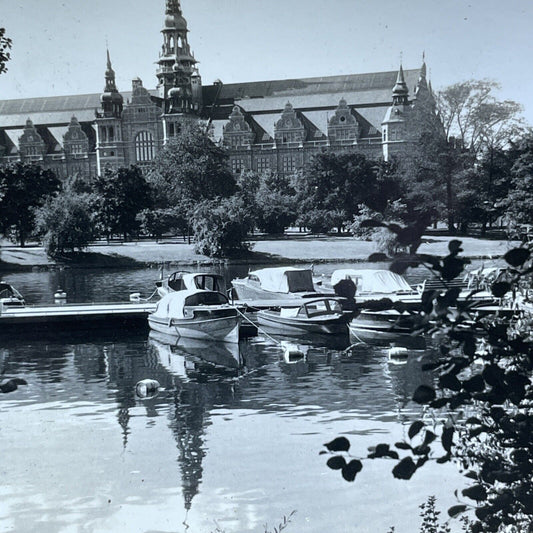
(283, 279)
(313, 308)
(373, 281)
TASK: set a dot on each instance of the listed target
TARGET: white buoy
(135, 297)
(292, 352)
(398, 353)
(147, 388)
(60, 297)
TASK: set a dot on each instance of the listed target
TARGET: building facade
(274, 125)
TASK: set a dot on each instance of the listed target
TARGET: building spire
(173, 7)
(400, 92)
(109, 76)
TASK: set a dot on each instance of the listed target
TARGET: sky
(59, 46)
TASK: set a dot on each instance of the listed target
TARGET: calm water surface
(223, 445)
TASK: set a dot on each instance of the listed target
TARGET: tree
(66, 222)
(120, 195)
(221, 227)
(470, 112)
(275, 202)
(520, 198)
(338, 183)
(5, 47)
(190, 168)
(483, 368)
(23, 188)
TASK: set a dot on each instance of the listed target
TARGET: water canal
(226, 448)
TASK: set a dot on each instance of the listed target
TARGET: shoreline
(291, 249)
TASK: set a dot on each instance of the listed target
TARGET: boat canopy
(377, 281)
(172, 304)
(284, 279)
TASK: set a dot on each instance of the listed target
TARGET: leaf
(500, 288)
(403, 446)
(456, 510)
(447, 438)
(370, 223)
(449, 381)
(429, 437)
(476, 492)
(444, 459)
(517, 256)
(415, 428)
(340, 444)
(424, 394)
(378, 257)
(350, 470)
(455, 246)
(404, 469)
(474, 384)
(336, 463)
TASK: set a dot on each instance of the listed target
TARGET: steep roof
(370, 93)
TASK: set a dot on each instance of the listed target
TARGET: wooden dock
(86, 316)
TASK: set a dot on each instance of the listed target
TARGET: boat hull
(225, 328)
(331, 325)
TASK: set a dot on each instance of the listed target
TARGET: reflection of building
(277, 125)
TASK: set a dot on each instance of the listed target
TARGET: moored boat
(196, 314)
(375, 284)
(276, 283)
(10, 297)
(182, 280)
(317, 315)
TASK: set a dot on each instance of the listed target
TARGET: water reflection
(208, 438)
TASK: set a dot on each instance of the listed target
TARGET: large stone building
(277, 125)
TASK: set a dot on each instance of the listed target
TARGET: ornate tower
(394, 131)
(109, 138)
(179, 83)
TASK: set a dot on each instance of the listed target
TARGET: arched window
(144, 146)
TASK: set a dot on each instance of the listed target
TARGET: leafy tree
(156, 222)
(470, 112)
(66, 221)
(23, 188)
(338, 183)
(221, 227)
(483, 367)
(120, 195)
(275, 203)
(520, 198)
(190, 168)
(5, 47)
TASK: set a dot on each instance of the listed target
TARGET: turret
(179, 81)
(111, 100)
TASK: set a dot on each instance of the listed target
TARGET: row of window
(289, 164)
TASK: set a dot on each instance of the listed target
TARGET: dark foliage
(484, 363)
(23, 188)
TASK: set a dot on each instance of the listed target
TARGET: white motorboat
(316, 315)
(375, 284)
(197, 314)
(182, 280)
(10, 297)
(276, 283)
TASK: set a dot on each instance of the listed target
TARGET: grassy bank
(293, 249)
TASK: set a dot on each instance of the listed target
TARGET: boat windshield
(205, 298)
(209, 282)
(321, 307)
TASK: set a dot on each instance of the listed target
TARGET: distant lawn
(299, 248)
